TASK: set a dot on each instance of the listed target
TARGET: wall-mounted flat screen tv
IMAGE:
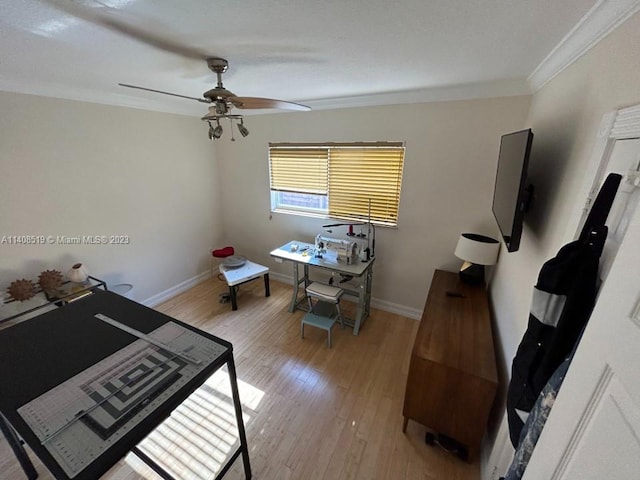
(512, 194)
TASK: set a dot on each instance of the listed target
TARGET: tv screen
(511, 195)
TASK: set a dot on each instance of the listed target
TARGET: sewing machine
(346, 250)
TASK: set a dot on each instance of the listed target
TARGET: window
(338, 180)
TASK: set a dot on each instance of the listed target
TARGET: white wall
(72, 168)
(565, 116)
(451, 154)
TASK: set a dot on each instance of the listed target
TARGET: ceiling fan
(223, 101)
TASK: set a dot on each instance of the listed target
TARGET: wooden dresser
(452, 375)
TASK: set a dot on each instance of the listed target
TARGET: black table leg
(153, 465)
(244, 447)
(234, 300)
(18, 449)
(267, 292)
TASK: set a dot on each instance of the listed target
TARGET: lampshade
(477, 249)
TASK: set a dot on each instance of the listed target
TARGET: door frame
(623, 124)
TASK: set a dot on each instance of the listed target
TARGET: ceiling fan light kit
(223, 101)
(243, 130)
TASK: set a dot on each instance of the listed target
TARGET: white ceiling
(326, 54)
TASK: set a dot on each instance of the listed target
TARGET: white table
(304, 255)
(246, 273)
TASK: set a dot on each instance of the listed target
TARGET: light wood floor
(310, 412)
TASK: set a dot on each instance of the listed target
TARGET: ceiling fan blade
(107, 16)
(151, 39)
(257, 103)
(203, 100)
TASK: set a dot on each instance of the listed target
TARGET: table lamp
(476, 251)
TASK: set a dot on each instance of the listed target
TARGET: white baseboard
(375, 302)
(279, 277)
(499, 455)
(396, 308)
(165, 295)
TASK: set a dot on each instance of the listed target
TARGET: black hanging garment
(561, 305)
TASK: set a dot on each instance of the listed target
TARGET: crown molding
(61, 92)
(604, 17)
(498, 88)
(489, 89)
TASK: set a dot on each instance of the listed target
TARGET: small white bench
(326, 310)
(246, 273)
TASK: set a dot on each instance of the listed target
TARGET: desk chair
(326, 310)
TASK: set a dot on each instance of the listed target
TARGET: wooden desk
(39, 354)
(302, 254)
(452, 375)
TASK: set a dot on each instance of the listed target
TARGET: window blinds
(299, 169)
(350, 175)
(360, 174)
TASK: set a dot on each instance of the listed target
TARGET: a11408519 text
(65, 240)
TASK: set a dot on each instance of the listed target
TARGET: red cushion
(223, 252)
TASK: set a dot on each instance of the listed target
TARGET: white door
(593, 430)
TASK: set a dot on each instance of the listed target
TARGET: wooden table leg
(267, 292)
(473, 453)
(404, 424)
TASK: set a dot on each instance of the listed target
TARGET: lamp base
(472, 273)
